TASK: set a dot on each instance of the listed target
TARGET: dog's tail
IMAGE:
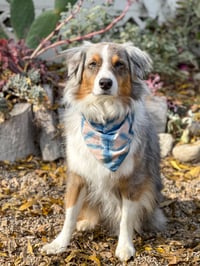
(156, 222)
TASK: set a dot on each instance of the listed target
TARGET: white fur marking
(105, 72)
(62, 240)
(125, 249)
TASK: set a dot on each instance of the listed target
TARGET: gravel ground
(32, 213)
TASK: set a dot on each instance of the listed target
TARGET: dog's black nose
(105, 83)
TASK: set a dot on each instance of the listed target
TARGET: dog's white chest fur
(81, 161)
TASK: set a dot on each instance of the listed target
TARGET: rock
(17, 134)
(157, 107)
(187, 152)
(194, 128)
(49, 140)
(166, 143)
(196, 76)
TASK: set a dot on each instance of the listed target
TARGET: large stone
(166, 143)
(49, 139)
(17, 134)
(157, 107)
(187, 152)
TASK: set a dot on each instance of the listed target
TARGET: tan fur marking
(74, 186)
(115, 59)
(97, 59)
(132, 191)
(89, 213)
(124, 85)
(86, 86)
(123, 77)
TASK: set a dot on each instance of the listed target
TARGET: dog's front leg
(125, 249)
(74, 199)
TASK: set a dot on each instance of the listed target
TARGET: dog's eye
(92, 65)
(119, 64)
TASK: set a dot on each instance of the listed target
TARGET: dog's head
(114, 70)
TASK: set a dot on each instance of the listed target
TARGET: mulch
(32, 214)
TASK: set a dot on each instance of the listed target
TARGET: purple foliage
(13, 59)
(154, 83)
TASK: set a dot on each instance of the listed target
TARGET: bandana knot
(109, 143)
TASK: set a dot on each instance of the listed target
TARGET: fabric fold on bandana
(109, 143)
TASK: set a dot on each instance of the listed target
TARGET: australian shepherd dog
(112, 148)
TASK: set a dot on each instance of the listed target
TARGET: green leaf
(61, 5)
(41, 27)
(22, 16)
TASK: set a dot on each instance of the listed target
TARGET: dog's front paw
(54, 247)
(125, 252)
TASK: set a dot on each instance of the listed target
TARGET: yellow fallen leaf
(71, 256)
(6, 206)
(160, 250)
(27, 205)
(29, 248)
(183, 166)
(44, 239)
(175, 165)
(29, 158)
(45, 210)
(183, 86)
(148, 248)
(195, 172)
(3, 254)
(46, 167)
(18, 261)
(95, 259)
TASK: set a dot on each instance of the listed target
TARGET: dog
(112, 149)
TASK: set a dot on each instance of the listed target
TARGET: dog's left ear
(140, 62)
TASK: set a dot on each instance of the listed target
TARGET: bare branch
(42, 47)
(42, 44)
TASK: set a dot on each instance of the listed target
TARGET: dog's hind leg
(75, 196)
(88, 218)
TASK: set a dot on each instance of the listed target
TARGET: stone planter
(27, 132)
(18, 134)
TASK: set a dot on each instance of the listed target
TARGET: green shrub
(171, 45)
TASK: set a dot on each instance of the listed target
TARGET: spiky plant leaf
(61, 5)
(41, 27)
(22, 16)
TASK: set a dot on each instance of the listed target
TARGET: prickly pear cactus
(41, 27)
(61, 5)
(33, 31)
(46, 23)
(22, 16)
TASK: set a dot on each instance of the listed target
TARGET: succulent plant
(32, 29)
(22, 15)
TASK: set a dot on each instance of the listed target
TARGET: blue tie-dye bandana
(109, 143)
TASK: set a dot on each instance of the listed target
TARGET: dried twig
(42, 47)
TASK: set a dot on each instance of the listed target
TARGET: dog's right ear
(75, 59)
